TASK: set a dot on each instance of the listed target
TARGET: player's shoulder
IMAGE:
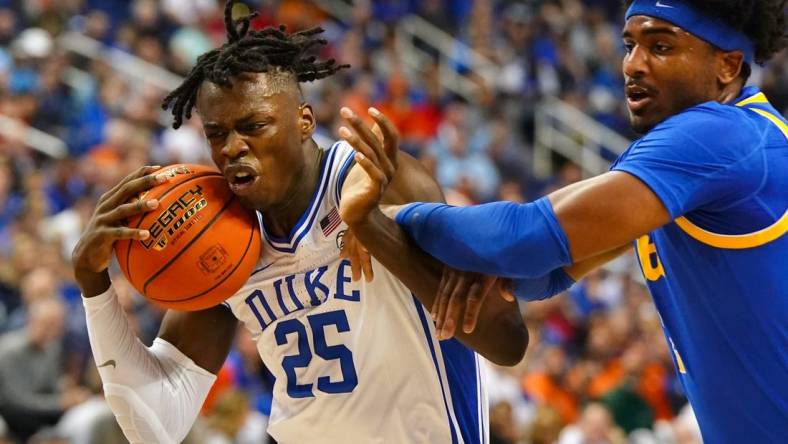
(345, 155)
(710, 129)
(342, 150)
(711, 122)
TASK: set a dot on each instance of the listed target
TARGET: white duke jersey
(354, 362)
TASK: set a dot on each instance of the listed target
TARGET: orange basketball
(203, 244)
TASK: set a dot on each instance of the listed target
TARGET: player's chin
(259, 200)
(641, 124)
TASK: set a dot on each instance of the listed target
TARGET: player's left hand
(376, 162)
(460, 297)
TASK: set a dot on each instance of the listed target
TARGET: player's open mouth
(637, 98)
(241, 178)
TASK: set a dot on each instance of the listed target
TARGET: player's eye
(252, 127)
(628, 47)
(661, 48)
(216, 135)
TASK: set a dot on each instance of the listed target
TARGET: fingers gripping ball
(203, 244)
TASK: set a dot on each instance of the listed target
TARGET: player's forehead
(639, 26)
(264, 92)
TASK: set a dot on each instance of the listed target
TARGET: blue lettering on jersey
(312, 283)
(316, 290)
(257, 297)
(339, 352)
(342, 279)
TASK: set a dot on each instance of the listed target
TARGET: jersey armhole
(342, 174)
(668, 201)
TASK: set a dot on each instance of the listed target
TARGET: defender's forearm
(500, 239)
(501, 342)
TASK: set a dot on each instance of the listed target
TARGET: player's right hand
(376, 157)
(93, 252)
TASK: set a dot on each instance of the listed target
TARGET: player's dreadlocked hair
(763, 21)
(250, 52)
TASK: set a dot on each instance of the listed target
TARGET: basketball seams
(229, 275)
(195, 176)
(186, 247)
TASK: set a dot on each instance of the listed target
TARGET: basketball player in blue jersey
(355, 362)
(703, 196)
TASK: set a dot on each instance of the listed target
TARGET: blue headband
(686, 17)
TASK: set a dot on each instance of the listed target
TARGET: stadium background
(500, 99)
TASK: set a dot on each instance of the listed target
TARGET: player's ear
(729, 66)
(306, 121)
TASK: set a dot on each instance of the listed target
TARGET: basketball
(203, 243)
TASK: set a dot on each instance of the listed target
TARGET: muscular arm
(578, 270)
(606, 213)
(204, 336)
(500, 334)
(584, 221)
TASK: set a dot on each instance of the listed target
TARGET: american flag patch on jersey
(330, 223)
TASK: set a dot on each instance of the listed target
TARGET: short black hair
(763, 21)
(252, 51)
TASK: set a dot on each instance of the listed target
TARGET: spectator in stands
(586, 346)
(596, 426)
(32, 392)
(38, 285)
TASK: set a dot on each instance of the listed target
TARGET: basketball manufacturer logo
(173, 222)
(213, 259)
(172, 172)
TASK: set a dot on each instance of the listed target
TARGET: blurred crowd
(598, 369)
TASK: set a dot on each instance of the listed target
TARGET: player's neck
(730, 92)
(281, 219)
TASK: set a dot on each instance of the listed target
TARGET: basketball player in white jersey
(355, 362)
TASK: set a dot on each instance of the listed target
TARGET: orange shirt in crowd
(650, 386)
(542, 388)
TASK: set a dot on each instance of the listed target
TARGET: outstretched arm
(500, 335)
(530, 240)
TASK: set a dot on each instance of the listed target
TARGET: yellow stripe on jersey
(735, 241)
(679, 361)
(774, 119)
(761, 98)
(749, 240)
(758, 98)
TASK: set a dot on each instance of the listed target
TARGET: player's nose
(635, 63)
(235, 146)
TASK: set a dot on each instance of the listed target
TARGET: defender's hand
(360, 260)
(93, 252)
(352, 249)
(376, 163)
(460, 298)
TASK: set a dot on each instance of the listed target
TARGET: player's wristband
(500, 238)
(544, 287)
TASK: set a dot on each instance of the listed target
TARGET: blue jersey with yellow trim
(719, 272)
